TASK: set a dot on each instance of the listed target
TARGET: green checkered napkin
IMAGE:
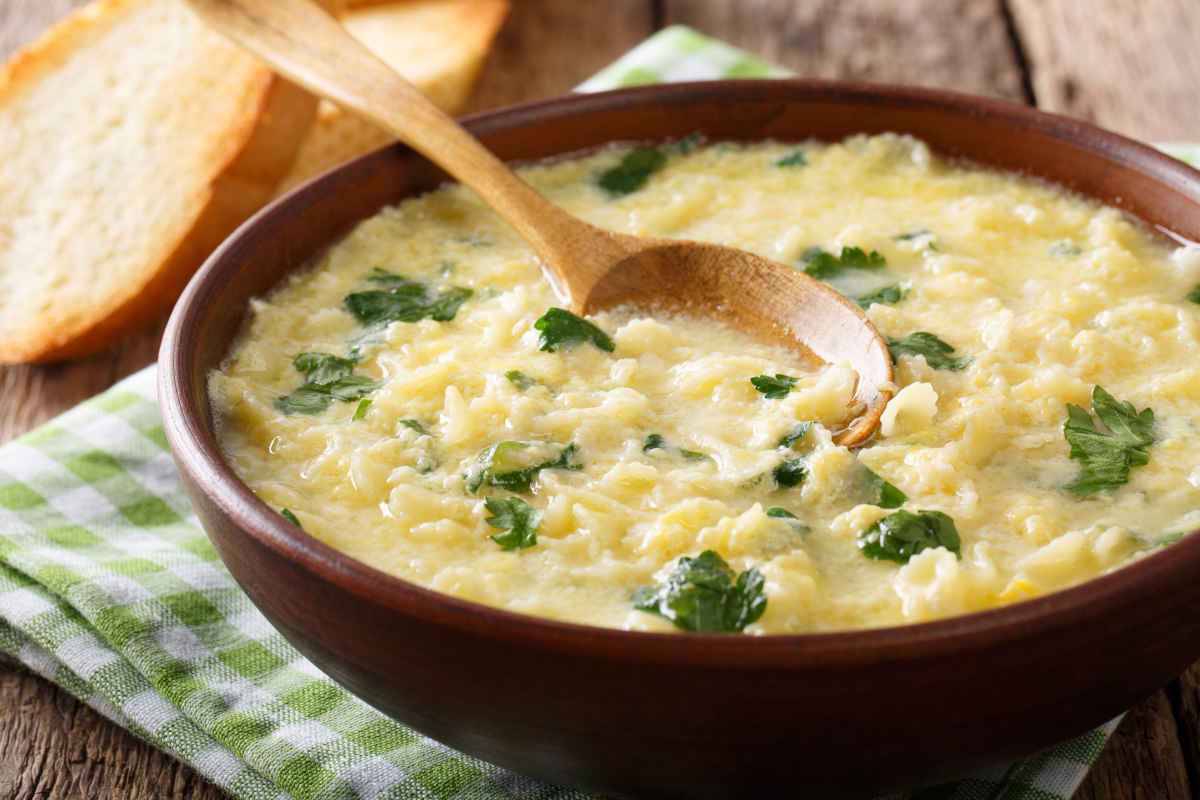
(109, 588)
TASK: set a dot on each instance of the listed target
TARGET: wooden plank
(1185, 694)
(1143, 761)
(548, 47)
(1130, 66)
(958, 44)
(53, 747)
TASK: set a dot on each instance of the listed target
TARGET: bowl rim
(199, 458)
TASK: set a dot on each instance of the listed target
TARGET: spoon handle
(303, 42)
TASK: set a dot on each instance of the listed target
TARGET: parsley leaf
(656, 441)
(415, 425)
(515, 465)
(560, 327)
(323, 367)
(1194, 294)
(634, 169)
(1107, 457)
(1064, 248)
(394, 281)
(517, 518)
(404, 300)
(791, 519)
(790, 473)
(774, 388)
(700, 594)
(327, 378)
(290, 517)
(796, 158)
(520, 379)
(938, 354)
(886, 495)
(901, 535)
(889, 295)
(687, 144)
(821, 264)
(796, 434)
(360, 412)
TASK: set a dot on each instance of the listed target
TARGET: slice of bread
(132, 142)
(439, 45)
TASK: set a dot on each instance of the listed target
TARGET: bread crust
(252, 156)
(464, 28)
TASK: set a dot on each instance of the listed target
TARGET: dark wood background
(1130, 65)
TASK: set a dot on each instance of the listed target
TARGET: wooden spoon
(591, 269)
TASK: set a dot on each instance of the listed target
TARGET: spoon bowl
(590, 268)
(769, 300)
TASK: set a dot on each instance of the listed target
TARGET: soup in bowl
(418, 400)
(646, 697)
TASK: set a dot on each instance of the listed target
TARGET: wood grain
(1133, 67)
(548, 47)
(1143, 760)
(958, 44)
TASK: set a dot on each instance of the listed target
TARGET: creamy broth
(619, 462)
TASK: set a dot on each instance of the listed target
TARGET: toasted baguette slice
(132, 141)
(439, 45)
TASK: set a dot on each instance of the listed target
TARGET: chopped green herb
(560, 327)
(1168, 540)
(901, 535)
(938, 354)
(404, 300)
(1106, 457)
(517, 518)
(793, 522)
(327, 378)
(290, 517)
(1064, 248)
(323, 367)
(790, 473)
(657, 441)
(415, 425)
(364, 406)
(796, 158)
(886, 495)
(654, 441)
(634, 169)
(515, 465)
(823, 265)
(700, 594)
(1194, 294)
(393, 281)
(796, 434)
(913, 235)
(774, 388)
(687, 144)
(888, 295)
(520, 379)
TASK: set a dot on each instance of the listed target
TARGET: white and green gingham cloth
(109, 588)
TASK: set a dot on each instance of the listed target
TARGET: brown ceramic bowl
(641, 714)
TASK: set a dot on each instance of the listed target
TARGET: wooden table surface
(1130, 65)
